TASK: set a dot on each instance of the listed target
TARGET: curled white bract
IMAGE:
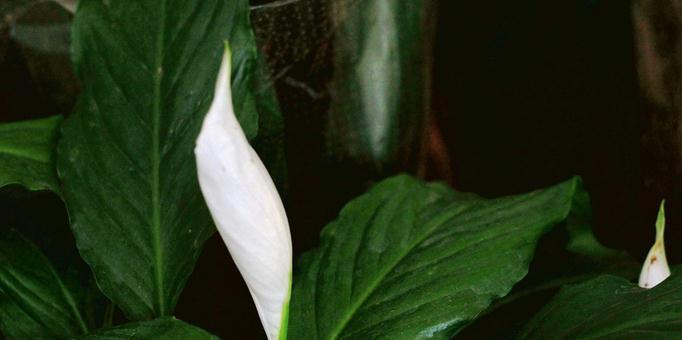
(655, 269)
(246, 207)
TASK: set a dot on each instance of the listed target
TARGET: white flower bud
(245, 207)
(655, 269)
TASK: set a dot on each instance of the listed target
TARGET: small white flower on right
(655, 269)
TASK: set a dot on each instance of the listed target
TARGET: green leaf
(27, 153)
(413, 260)
(584, 256)
(16, 324)
(166, 328)
(148, 69)
(580, 258)
(611, 307)
(35, 301)
(379, 93)
(579, 226)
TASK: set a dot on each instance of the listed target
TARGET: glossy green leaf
(611, 307)
(148, 69)
(413, 260)
(166, 328)
(379, 94)
(27, 153)
(36, 303)
(569, 254)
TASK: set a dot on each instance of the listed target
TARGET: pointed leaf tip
(245, 207)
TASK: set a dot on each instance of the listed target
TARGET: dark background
(525, 94)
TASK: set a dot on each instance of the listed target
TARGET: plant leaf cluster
(406, 260)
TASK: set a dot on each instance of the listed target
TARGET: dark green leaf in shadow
(580, 257)
(611, 307)
(125, 159)
(36, 302)
(166, 328)
(27, 153)
(579, 226)
(567, 255)
(414, 260)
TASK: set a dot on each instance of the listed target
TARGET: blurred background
(492, 97)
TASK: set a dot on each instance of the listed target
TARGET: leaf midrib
(448, 214)
(380, 278)
(26, 154)
(156, 203)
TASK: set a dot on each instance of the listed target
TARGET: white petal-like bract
(655, 269)
(245, 207)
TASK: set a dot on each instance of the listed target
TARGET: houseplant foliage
(611, 307)
(26, 154)
(408, 259)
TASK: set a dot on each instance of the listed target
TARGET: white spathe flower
(245, 207)
(655, 269)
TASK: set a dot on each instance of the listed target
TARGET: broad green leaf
(379, 98)
(611, 307)
(36, 303)
(569, 254)
(581, 258)
(165, 328)
(414, 260)
(27, 153)
(148, 68)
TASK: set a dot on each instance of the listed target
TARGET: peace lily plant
(246, 207)
(158, 152)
